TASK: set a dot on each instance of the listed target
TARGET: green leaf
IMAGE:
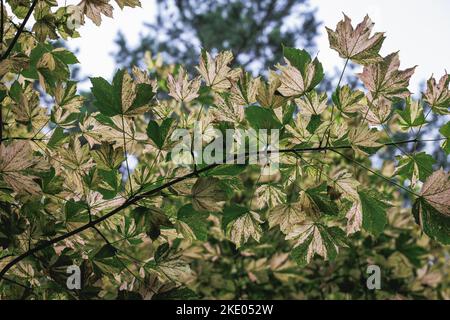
(151, 219)
(75, 212)
(300, 59)
(412, 116)
(123, 96)
(159, 133)
(58, 137)
(144, 94)
(108, 158)
(312, 238)
(105, 252)
(321, 199)
(314, 123)
(435, 224)
(432, 208)
(110, 183)
(373, 213)
(195, 220)
(415, 167)
(104, 99)
(445, 131)
(231, 213)
(262, 118)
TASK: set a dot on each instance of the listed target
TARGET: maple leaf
(415, 167)
(438, 94)
(123, 96)
(355, 43)
(245, 227)
(182, 89)
(344, 183)
(432, 209)
(244, 90)
(93, 9)
(362, 136)
(17, 164)
(300, 74)
(286, 216)
(312, 103)
(445, 131)
(412, 116)
(354, 218)
(385, 79)
(347, 100)
(13, 64)
(216, 72)
(66, 97)
(292, 81)
(270, 195)
(128, 3)
(108, 158)
(208, 195)
(299, 131)
(268, 96)
(436, 191)
(376, 112)
(227, 110)
(311, 238)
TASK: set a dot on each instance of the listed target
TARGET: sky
(419, 29)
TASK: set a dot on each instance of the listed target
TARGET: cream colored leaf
(227, 110)
(385, 79)
(377, 112)
(216, 72)
(267, 95)
(348, 100)
(269, 195)
(16, 159)
(93, 9)
(362, 136)
(436, 190)
(354, 218)
(286, 216)
(356, 44)
(244, 227)
(128, 3)
(14, 64)
(312, 103)
(181, 88)
(293, 82)
(299, 132)
(244, 89)
(344, 182)
(438, 95)
(308, 231)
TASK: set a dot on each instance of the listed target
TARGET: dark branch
(134, 199)
(19, 31)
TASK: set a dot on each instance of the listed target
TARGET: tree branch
(19, 31)
(134, 199)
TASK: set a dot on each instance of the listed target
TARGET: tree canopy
(184, 227)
